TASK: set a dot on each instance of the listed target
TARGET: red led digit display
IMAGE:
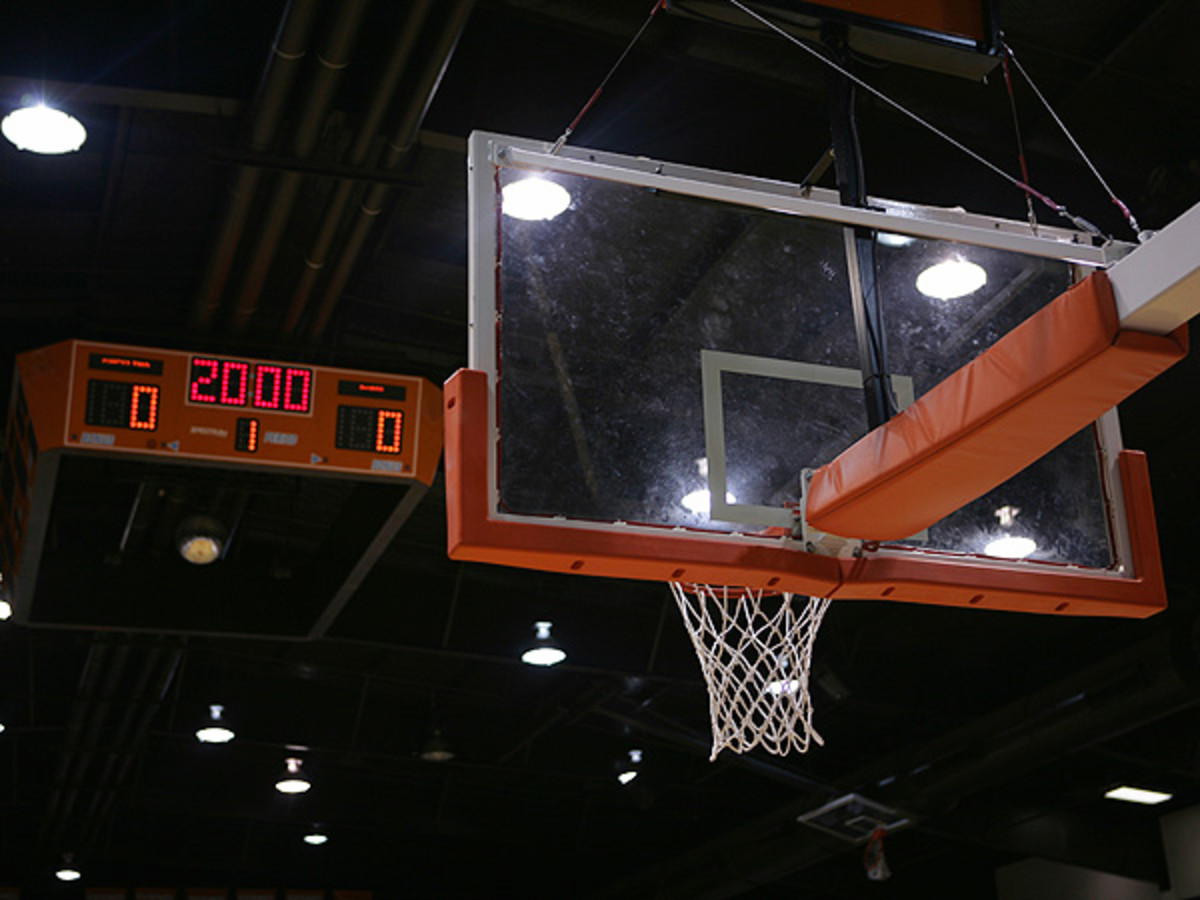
(268, 379)
(232, 382)
(203, 381)
(143, 407)
(297, 389)
(389, 431)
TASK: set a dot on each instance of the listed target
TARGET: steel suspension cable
(1079, 222)
(1129, 217)
(558, 145)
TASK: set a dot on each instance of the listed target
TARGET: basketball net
(755, 650)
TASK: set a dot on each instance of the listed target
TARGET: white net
(755, 650)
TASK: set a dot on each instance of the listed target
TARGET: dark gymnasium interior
(441, 766)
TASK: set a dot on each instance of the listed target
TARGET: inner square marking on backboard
(714, 363)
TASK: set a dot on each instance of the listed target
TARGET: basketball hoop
(755, 649)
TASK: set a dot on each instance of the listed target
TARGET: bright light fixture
(200, 549)
(5, 610)
(1010, 546)
(216, 731)
(42, 129)
(699, 502)
(951, 279)
(1137, 795)
(778, 688)
(294, 781)
(534, 199)
(630, 770)
(1, 728)
(891, 239)
(316, 838)
(68, 873)
(544, 652)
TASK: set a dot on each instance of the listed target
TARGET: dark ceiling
(320, 216)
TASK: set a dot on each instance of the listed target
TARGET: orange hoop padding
(476, 532)
(1051, 376)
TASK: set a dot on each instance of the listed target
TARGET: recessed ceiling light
(951, 279)
(1137, 795)
(316, 838)
(534, 199)
(42, 129)
(890, 239)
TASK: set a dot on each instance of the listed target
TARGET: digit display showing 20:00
(231, 382)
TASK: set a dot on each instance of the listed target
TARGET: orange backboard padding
(1050, 377)
(557, 546)
(477, 534)
(964, 18)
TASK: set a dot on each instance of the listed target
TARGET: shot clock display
(237, 410)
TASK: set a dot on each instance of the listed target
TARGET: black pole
(851, 182)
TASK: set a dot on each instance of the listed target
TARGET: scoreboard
(231, 409)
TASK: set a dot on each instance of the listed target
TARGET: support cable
(1125, 211)
(1078, 221)
(1012, 105)
(558, 145)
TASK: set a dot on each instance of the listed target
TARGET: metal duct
(334, 210)
(397, 150)
(332, 59)
(291, 42)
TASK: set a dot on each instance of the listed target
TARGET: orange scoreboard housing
(105, 411)
(234, 409)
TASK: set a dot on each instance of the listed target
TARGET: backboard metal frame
(480, 529)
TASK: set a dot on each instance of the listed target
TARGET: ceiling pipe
(96, 660)
(287, 51)
(333, 58)
(397, 150)
(314, 262)
(151, 702)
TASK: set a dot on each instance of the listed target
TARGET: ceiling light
(628, 769)
(316, 837)
(1137, 795)
(67, 871)
(294, 780)
(200, 539)
(950, 279)
(890, 239)
(1, 728)
(699, 503)
(534, 199)
(5, 610)
(1010, 546)
(545, 651)
(41, 129)
(437, 748)
(216, 730)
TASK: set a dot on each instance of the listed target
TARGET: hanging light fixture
(294, 781)
(39, 128)
(1009, 545)
(534, 199)
(201, 540)
(627, 769)
(316, 836)
(215, 730)
(67, 871)
(545, 650)
(951, 279)
(437, 748)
